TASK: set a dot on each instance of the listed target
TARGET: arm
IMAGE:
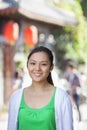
(14, 105)
(12, 114)
(67, 114)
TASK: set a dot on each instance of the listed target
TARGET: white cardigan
(63, 110)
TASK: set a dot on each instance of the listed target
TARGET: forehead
(39, 55)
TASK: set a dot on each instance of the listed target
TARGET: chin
(38, 80)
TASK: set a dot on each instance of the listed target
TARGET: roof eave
(6, 8)
(45, 19)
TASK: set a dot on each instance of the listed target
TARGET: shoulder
(61, 95)
(62, 100)
(17, 93)
(16, 96)
(62, 92)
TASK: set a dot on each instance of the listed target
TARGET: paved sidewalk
(83, 123)
(3, 121)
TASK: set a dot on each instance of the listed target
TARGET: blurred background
(60, 25)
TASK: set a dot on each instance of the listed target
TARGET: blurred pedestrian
(73, 78)
(75, 112)
(41, 106)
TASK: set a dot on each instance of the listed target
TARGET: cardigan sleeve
(67, 114)
(11, 115)
(63, 111)
(14, 104)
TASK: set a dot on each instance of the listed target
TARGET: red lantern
(11, 31)
(30, 36)
(35, 34)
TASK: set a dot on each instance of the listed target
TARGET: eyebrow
(36, 60)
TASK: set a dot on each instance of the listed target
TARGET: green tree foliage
(84, 7)
(73, 40)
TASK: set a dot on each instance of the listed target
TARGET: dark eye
(44, 64)
(32, 63)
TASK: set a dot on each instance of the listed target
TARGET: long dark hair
(50, 56)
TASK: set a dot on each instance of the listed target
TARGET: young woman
(41, 106)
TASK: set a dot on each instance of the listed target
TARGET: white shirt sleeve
(14, 105)
(63, 111)
(67, 115)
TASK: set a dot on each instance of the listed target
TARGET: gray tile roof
(4, 4)
(39, 10)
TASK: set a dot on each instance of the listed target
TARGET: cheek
(47, 70)
(29, 68)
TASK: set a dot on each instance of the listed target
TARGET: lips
(37, 74)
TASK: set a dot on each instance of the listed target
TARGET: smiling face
(39, 66)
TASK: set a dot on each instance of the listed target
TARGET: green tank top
(37, 119)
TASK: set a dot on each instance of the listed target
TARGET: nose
(37, 67)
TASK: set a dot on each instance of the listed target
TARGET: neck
(40, 86)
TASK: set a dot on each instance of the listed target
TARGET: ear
(51, 68)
